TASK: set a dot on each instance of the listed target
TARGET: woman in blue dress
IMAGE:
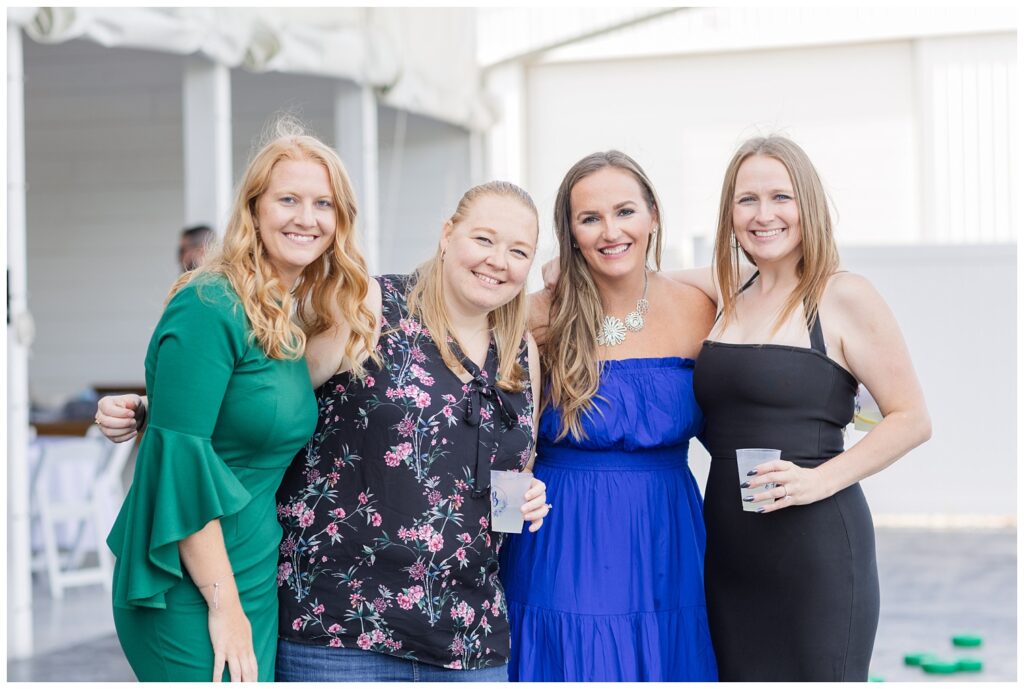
(612, 588)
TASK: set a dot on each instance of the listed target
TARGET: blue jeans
(305, 663)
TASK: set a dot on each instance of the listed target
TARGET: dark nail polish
(748, 498)
(745, 484)
(752, 472)
(760, 510)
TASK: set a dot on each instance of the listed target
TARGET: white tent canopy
(419, 60)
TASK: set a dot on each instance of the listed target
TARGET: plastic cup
(508, 491)
(747, 459)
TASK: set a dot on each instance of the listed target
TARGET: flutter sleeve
(180, 482)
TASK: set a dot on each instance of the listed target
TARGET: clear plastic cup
(747, 459)
(508, 493)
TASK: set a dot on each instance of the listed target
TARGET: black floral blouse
(387, 545)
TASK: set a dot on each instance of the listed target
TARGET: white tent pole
(206, 104)
(19, 334)
(355, 137)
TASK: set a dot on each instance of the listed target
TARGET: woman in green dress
(230, 403)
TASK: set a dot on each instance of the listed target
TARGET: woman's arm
(876, 353)
(535, 508)
(325, 353)
(204, 556)
(701, 278)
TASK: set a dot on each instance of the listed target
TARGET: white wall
(424, 170)
(105, 206)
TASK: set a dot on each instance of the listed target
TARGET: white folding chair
(90, 508)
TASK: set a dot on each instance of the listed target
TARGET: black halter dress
(791, 595)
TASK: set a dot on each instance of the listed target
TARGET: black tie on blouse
(479, 390)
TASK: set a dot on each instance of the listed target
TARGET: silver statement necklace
(613, 330)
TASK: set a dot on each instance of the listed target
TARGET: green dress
(224, 423)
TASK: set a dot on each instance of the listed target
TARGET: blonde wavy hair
(568, 352)
(819, 256)
(507, 322)
(333, 286)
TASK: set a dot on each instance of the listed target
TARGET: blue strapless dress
(612, 587)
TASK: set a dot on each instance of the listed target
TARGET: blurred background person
(192, 246)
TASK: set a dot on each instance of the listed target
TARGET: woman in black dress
(792, 591)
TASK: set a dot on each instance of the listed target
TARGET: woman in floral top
(388, 566)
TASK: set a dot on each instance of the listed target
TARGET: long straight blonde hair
(819, 256)
(568, 352)
(334, 284)
(507, 322)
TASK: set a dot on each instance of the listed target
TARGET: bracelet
(216, 591)
(140, 416)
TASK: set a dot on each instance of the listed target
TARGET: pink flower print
(525, 420)
(332, 529)
(486, 605)
(375, 519)
(425, 532)
(423, 400)
(377, 636)
(281, 510)
(287, 546)
(333, 478)
(406, 534)
(485, 414)
(339, 388)
(284, 570)
(424, 377)
(355, 584)
(380, 605)
(465, 388)
(483, 522)
(447, 412)
(404, 602)
(436, 543)
(461, 485)
(391, 459)
(465, 538)
(335, 642)
(406, 427)
(417, 355)
(456, 500)
(364, 641)
(469, 616)
(487, 540)
(370, 381)
(363, 499)
(417, 571)
(392, 393)
(338, 513)
(313, 476)
(297, 623)
(460, 555)
(355, 599)
(319, 610)
(483, 374)
(416, 593)
(404, 450)
(411, 391)
(458, 646)
(334, 628)
(434, 497)
(450, 399)
(306, 519)
(454, 665)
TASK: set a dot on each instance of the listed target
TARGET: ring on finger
(785, 491)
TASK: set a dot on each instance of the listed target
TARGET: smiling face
(611, 222)
(296, 216)
(488, 254)
(765, 214)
